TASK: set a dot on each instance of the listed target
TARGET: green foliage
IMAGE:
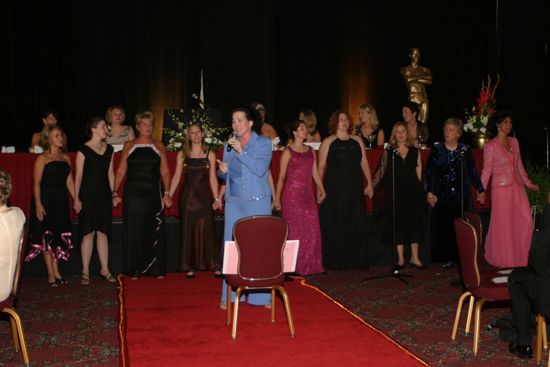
(539, 175)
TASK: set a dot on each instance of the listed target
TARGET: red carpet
(177, 322)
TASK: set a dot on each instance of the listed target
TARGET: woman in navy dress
(143, 163)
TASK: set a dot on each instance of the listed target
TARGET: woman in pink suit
(511, 226)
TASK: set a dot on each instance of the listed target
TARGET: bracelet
(217, 199)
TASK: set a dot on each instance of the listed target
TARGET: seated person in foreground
(530, 287)
(11, 226)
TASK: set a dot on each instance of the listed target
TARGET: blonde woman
(147, 190)
(404, 199)
(309, 117)
(51, 225)
(118, 132)
(199, 246)
(369, 127)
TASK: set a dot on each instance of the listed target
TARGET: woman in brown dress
(199, 246)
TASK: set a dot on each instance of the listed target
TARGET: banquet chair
(260, 242)
(481, 289)
(475, 220)
(9, 304)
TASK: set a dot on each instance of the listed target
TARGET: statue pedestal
(479, 140)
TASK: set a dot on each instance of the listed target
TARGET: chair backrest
(475, 220)
(20, 262)
(260, 242)
(467, 242)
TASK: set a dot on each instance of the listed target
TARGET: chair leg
(19, 326)
(287, 309)
(14, 335)
(470, 313)
(236, 313)
(458, 312)
(228, 305)
(544, 336)
(538, 348)
(479, 306)
(272, 304)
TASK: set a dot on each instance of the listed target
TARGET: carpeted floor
(177, 322)
(420, 315)
(71, 325)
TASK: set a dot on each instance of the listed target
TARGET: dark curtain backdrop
(81, 57)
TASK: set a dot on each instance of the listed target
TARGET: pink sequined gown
(299, 208)
(511, 227)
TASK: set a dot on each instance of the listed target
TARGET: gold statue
(415, 78)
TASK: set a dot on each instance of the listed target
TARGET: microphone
(195, 96)
(234, 136)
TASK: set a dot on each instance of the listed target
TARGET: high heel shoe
(108, 277)
(190, 275)
(418, 266)
(61, 280)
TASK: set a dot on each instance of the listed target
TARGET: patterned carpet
(420, 315)
(71, 325)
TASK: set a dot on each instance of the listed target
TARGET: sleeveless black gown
(199, 246)
(342, 214)
(52, 235)
(95, 192)
(144, 245)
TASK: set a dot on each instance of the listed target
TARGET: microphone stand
(394, 272)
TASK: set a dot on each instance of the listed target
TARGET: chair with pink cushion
(260, 242)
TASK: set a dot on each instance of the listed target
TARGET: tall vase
(479, 140)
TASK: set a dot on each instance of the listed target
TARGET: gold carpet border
(122, 349)
(378, 331)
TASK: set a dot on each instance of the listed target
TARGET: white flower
(208, 140)
(483, 130)
(177, 144)
(485, 119)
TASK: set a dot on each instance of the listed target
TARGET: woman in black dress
(93, 185)
(51, 224)
(342, 213)
(369, 127)
(143, 163)
(199, 246)
(400, 174)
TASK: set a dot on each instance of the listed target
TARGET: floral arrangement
(478, 118)
(214, 136)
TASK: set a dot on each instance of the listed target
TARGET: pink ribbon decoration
(38, 248)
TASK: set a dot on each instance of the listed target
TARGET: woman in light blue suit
(245, 169)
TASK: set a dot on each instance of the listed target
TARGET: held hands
(321, 195)
(222, 166)
(276, 204)
(116, 201)
(166, 201)
(40, 212)
(77, 205)
(432, 199)
(369, 191)
(481, 197)
(535, 188)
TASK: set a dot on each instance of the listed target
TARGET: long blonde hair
(373, 116)
(45, 137)
(310, 120)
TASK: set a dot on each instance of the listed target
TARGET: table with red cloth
(20, 167)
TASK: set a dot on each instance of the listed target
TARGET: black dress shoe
(523, 351)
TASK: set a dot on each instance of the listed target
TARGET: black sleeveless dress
(95, 192)
(409, 201)
(342, 214)
(144, 245)
(199, 246)
(52, 235)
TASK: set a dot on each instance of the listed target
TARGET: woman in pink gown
(511, 226)
(296, 197)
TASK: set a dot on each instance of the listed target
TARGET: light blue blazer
(248, 175)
